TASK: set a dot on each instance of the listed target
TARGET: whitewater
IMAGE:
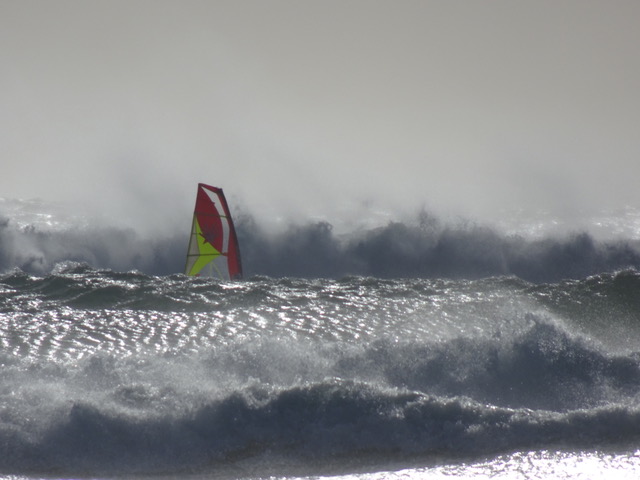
(496, 365)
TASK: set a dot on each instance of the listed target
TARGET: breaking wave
(340, 421)
(425, 248)
(104, 420)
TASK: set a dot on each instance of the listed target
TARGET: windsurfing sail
(213, 245)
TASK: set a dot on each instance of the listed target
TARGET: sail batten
(213, 245)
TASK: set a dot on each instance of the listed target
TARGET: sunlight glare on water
(538, 465)
(542, 465)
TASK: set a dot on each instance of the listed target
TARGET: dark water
(106, 374)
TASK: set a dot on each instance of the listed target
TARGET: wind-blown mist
(37, 250)
(428, 250)
(425, 247)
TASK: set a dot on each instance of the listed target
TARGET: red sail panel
(209, 216)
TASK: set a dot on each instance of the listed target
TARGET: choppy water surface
(108, 374)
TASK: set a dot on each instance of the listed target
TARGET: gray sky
(313, 108)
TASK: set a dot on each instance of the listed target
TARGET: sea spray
(423, 246)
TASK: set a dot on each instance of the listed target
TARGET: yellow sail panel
(200, 252)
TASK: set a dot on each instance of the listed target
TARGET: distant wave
(34, 248)
(423, 249)
(430, 251)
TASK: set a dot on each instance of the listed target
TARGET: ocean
(495, 365)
